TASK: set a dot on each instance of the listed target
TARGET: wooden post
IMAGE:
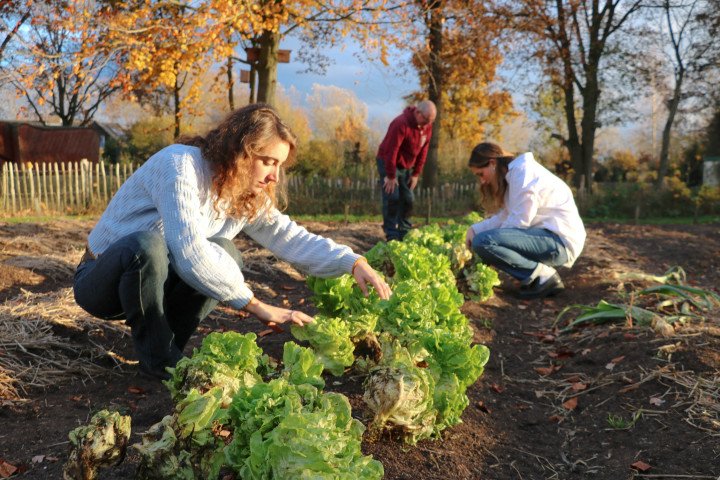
(70, 183)
(58, 193)
(44, 185)
(83, 184)
(21, 201)
(12, 186)
(117, 177)
(49, 190)
(5, 186)
(104, 182)
(65, 185)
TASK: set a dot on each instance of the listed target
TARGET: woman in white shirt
(534, 225)
(161, 256)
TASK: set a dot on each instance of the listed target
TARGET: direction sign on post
(244, 76)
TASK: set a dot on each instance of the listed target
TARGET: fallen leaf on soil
(672, 348)
(38, 458)
(548, 338)
(585, 351)
(661, 327)
(617, 359)
(482, 407)
(287, 287)
(570, 404)
(136, 390)
(76, 398)
(301, 301)
(555, 418)
(285, 302)
(573, 378)
(610, 366)
(640, 465)
(544, 371)
(561, 354)
(630, 336)
(629, 388)
(266, 332)
(539, 393)
(7, 469)
(578, 386)
(497, 388)
(656, 401)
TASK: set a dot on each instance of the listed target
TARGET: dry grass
(32, 355)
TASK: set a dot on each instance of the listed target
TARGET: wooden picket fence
(67, 187)
(349, 196)
(84, 187)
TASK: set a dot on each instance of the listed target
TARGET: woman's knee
(484, 244)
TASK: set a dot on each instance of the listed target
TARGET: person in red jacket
(400, 161)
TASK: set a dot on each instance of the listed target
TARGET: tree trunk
(253, 84)
(231, 84)
(573, 141)
(665, 149)
(588, 126)
(434, 21)
(267, 67)
(176, 106)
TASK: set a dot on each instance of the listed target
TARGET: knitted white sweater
(171, 194)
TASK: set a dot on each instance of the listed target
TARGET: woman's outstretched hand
(469, 238)
(365, 274)
(272, 316)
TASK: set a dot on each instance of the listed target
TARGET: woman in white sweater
(534, 225)
(161, 256)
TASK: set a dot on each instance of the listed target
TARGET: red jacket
(405, 144)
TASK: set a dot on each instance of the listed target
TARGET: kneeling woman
(534, 225)
(161, 256)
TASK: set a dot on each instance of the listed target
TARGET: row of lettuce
(237, 411)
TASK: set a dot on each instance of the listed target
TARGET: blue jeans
(517, 251)
(397, 206)
(133, 280)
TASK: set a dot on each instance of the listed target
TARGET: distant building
(112, 140)
(37, 143)
(711, 171)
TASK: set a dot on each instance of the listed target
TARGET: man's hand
(389, 185)
(469, 238)
(272, 316)
(413, 182)
(365, 274)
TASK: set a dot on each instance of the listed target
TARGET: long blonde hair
(230, 149)
(493, 193)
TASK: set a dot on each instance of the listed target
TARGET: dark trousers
(133, 280)
(397, 207)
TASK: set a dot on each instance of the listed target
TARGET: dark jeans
(397, 207)
(133, 280)
(517, 251)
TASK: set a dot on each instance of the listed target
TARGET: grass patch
(704, 219)
(45, 218)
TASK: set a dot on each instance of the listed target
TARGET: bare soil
(540, 411)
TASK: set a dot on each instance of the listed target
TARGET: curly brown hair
(230, 149)
(492, 194)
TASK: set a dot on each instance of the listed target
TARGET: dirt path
(545, 407)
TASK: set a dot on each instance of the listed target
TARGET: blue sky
(380, 87)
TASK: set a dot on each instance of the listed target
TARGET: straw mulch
(34, 355)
